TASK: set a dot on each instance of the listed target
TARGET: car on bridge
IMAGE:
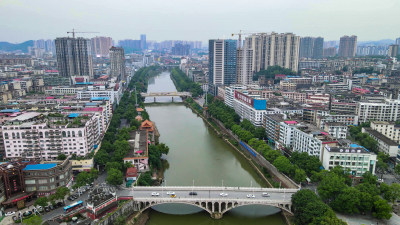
(223, 194)
(251, 196)
(192, 193)
(155, 194)
(173, 196)
(265, 194)
(170, 193)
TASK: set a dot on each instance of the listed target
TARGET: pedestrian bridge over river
(210, 198)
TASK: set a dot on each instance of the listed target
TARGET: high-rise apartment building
(311, 47)
(74, 57)
(329, 52)
(101, 46)
(181, 49)
(398, 41)
(143, 44)
(117, 62)
(393, 50)
(273, 49)
(222, 63)
(348, 46)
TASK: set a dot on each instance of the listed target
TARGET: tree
(121, 220)
(283, 165)
(331, 186)
(299, 176)
(368, 177)
(381, 209)
(114, 177)
(61, 157)
(114, 165)
(145, 179)
(348, 201)
(42, 201)
(101, 157)
(306, 162)
(34, 220)
(392, 193)
(397, 169)
(61, 192)
(369, 188)
(366, 202)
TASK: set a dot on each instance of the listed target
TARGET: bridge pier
(154, 99)
(172, 98)
(216, 216)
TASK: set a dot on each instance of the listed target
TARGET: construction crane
(73, 32)
(240, 37)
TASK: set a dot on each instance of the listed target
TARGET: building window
(30, 181)
(43, 181)
(42, 188)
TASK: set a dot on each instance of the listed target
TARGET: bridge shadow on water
(250, 211)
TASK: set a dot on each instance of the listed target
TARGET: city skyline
(167, 20)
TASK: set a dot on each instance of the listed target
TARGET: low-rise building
(385, 144)
(390, 129)
(138, 154)
(340, 118)
(337, 130)
(101, 201)
(358, 160)
(249, 108)
(44, 178)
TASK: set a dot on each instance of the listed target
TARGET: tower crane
(73, 32)
(240, 37)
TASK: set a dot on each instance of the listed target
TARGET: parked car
(40, 209)
(10, 213)
(47, 209)
(14, 218)
(60, 204)
(192, 193)
(71, 198)
(51, 207)
(155, 194)
(27, 213)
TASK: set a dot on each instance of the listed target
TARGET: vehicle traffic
(223, 194)
(251, 196)
(73, 206)
(265, 194)
(155, 194)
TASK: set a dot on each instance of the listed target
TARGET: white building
(344, 119)
(358, 160)
(337, 130)
(388, 110)
(34, 135)
(114, 94)
(390, 130)
(385, 144)
(249, 108)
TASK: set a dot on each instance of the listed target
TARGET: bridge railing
(188, 199)
(203, 188)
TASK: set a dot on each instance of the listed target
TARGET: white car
(170, 193)
(223, 194)
(155, 194)
(251, 196)
(10, 213)
(265, 194)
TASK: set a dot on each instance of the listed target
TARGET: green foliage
(145, 179)
(348, 201)
(283, 165)
(306, 162)
(299, 176)
(363, 138)
(309, 209)
(121, 220)
(223, 113)
(101, 157)
(84, 178)
(381, 209)
(367, 70)
(155, 153)
(183, 83)
(331, 186)
(61, 157)
(397, 169)
(42, 201)
(34, 220)
(114, 165)
(60, 194)
(272, 155)
(271, 71)
(114, 177)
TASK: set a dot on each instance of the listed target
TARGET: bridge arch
(144, 205)
(233, 205)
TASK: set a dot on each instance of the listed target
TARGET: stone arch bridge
(215, 200)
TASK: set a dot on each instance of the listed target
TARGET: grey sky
(22, 20)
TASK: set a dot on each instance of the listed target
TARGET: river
(198, 156)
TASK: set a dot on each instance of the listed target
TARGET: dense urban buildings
(348, 46)
(74, 57)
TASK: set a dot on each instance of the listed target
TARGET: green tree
(42, 201)
(369, 188)
(392, 193)
(331, 186)
(34, 220)
(306, 162)
(299, 176)
(114, 165)
(61, 157)
(283, 165)
(272, 155)
(121, 220)
(348, 201)
(368, 177)
(114, 177)
(381, 209)
(145, 179)
(397, 169)
(101, 157)
(61, 192)
(366, 202)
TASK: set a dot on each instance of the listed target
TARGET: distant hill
(375, 43)
(9, 47)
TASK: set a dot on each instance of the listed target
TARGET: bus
(73, 206)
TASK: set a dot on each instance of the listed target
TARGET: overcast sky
(22, 20)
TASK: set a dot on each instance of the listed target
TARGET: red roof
(49, 97)
(131, 172)
(94, 109)
(291, 122)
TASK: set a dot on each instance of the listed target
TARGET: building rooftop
(348, 150)
(381, 137)
(40, 166)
